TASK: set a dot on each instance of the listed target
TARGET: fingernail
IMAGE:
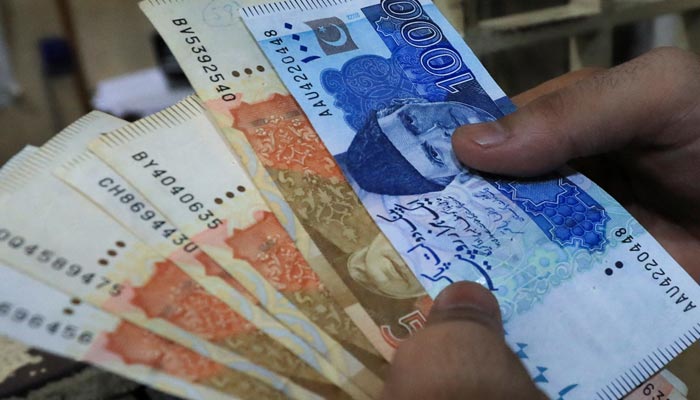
(468, 295)
(489, 135)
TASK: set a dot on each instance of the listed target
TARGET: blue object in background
(56, 56)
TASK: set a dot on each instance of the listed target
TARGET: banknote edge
(259, 10)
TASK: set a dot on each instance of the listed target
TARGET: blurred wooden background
(521, 44)
(109, 38)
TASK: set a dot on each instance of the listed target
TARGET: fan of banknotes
(281, 234)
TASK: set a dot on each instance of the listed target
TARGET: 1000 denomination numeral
(420, 33)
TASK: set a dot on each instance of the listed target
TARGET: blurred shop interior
(60, 59)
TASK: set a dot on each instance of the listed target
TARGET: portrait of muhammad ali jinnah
(406, 148)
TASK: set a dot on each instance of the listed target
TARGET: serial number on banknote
(147, 215)
(294, 69)
(201, 54)
(644, 259)
(21, 315)
(58, 264)
(169, 181)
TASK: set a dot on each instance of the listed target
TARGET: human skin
(633, 129)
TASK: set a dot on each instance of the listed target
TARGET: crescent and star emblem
(341, 41)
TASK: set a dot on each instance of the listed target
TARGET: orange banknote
(43, 317)
(178, 160)
(662, 386)
(193, 271)
(107, 266)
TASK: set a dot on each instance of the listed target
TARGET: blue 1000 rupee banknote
(592, 304)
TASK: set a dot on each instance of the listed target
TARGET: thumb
(632, 104)
(461, 353)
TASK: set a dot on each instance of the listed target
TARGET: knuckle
(677, 77)
(589, 71)
(685, 65)
(551, 110)
(552, 107)
(674, 54)
(554, 110)
(465, 316)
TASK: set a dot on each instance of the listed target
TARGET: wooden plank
(454, 12)
(113, 38)
(587, 3)
(471, 13)
(691, 30)
(591, 50)
(486, 41)
(544, 16)
(66, 21)
(30, 116)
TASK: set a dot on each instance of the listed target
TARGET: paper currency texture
(277, 144)
(41, 316)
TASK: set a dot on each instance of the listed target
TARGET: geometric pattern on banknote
(410, 59)
(312, 183)
(269, 249)
(271, 252)
(332, 209)
(369, 83)
(282, 136)
(305, 171)
(139, 346)
(564, 212)
(538, 371)
(172, 295)
(212, 268)
(366, 84)
(548, 265)
(518, 286)
(544, 264)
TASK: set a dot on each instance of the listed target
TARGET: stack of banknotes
(281, 234)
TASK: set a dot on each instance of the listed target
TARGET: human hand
(633, 129)
(460, 354)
